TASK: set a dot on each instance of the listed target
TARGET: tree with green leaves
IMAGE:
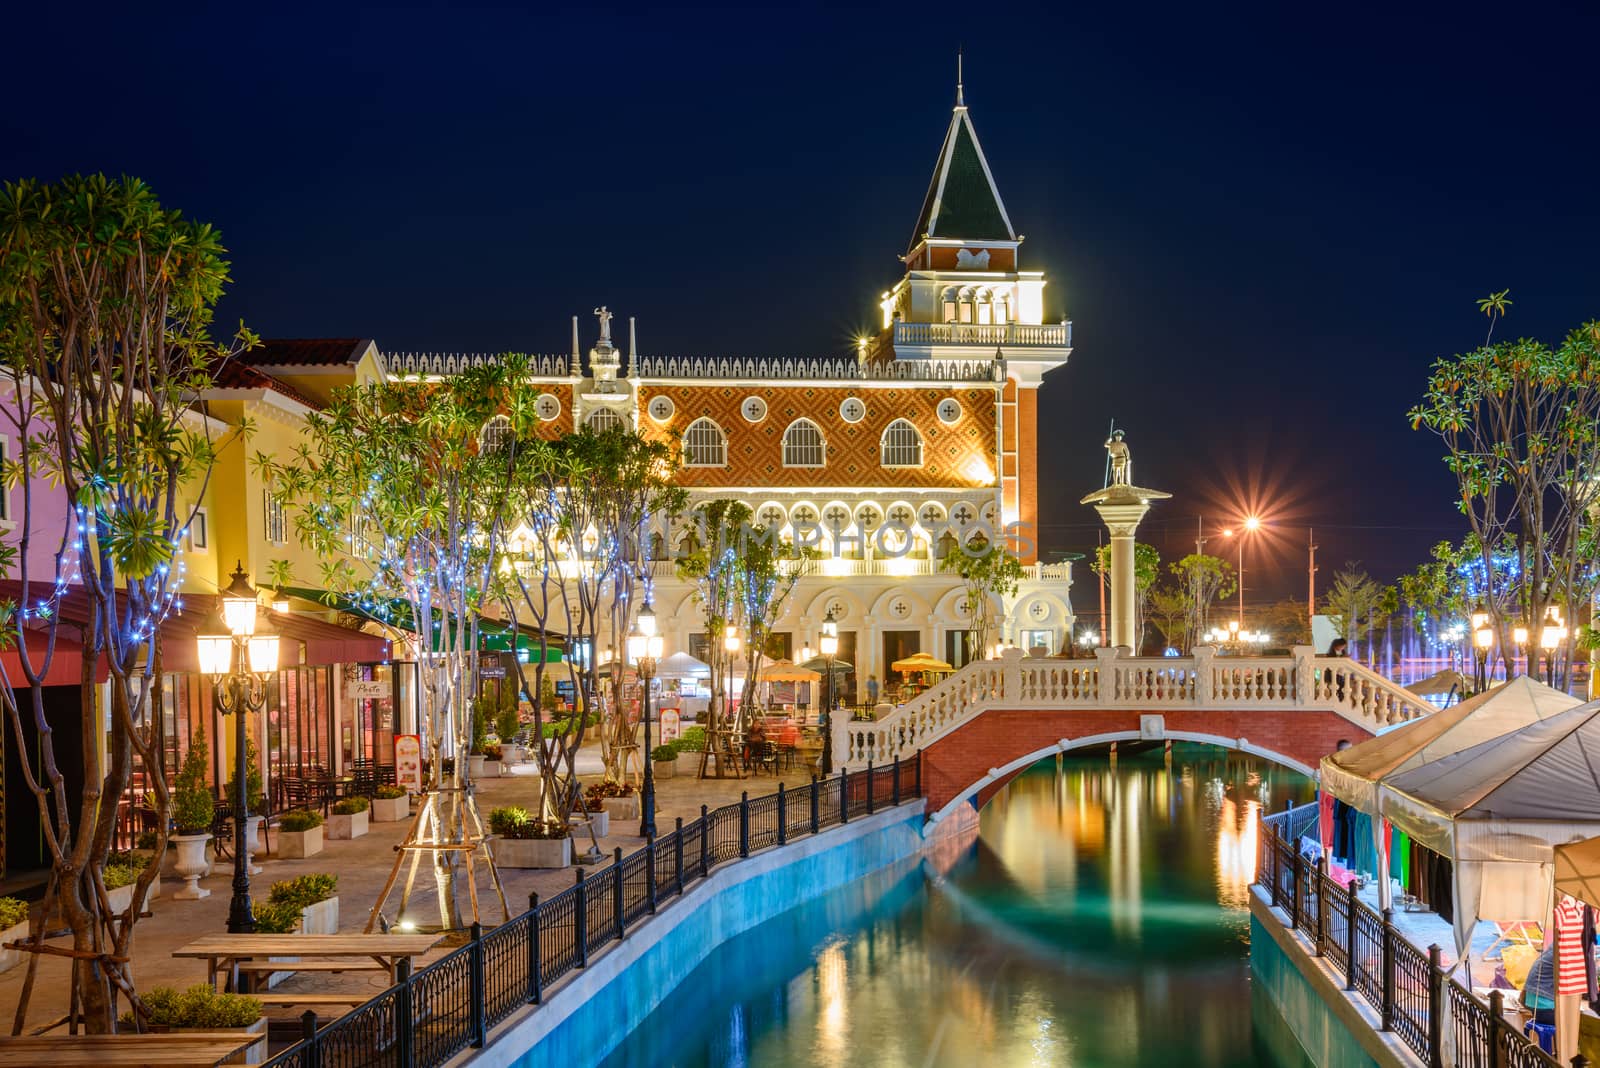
(1172, 612)
(1520, 423)
(1207, 580)
(991, 573)
(1357, 606)
(708, 558)
(401, 488)
(1146, 570)
(766, 571)
(106, 301)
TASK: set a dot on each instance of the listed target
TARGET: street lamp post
(1250, 526)
(829, 644)
(644, 649)
(1483, 640)
(1551, 635)
(1519, 637)
(239, 653)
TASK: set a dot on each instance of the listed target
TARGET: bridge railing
(1203, 681)
(1406, 987)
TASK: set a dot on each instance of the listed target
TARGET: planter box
(491, 770)
(343, 828)
(390, 809)
(688, 763)
(255, 1053)
(601, 821)
(622, 808)
(10, 958)
(532, 852)
(321, 918)
(122, 896)
(297, 845)
(664, 769)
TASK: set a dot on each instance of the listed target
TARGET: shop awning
(494, 636)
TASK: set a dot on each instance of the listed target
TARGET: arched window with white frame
(901, 445)
(803, 445)
(705, 445)
(602, 419)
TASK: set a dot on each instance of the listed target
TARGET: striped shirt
(1570, 976)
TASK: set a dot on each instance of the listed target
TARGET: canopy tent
(1498, 810)
(1353, 774)
(1440, 682)
(920, 662)
(787, 671)
(682, 666)
(1578, 870)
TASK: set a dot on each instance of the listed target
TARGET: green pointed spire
(963, 201)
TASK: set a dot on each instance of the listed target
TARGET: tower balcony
(989, 335)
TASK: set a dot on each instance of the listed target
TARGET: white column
(1122, 520)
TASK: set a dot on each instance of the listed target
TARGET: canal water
(1097, 917)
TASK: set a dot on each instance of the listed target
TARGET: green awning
(493, 635)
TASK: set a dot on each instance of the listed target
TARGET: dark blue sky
(1265, 222)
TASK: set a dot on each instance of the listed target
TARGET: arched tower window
(901, 445)
(803, 445)
(495, 433)
(602, 419)
(705, 445)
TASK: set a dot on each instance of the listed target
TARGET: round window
(661, 408)
(852, 410)
(949, 410)
(754, 409)
(548, 406)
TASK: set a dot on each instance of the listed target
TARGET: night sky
(1265, 223)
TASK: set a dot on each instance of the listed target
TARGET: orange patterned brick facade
(952, 454)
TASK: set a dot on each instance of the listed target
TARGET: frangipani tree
(106, 304)
(708, 558)
(400, 489)
(990, 572)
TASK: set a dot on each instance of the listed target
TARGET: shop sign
(408, 762)
(365, 689)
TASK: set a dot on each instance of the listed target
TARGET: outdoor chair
(768, 757)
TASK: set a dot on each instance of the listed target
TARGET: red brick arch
(1006, 741)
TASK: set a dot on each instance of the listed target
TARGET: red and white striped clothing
(1570, 977)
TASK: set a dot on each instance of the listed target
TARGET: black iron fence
(1407, 987)
(431, 1015)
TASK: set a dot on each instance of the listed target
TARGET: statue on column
(1121, 463)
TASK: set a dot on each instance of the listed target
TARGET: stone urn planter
(252, 843)
(622, 808)
(533, 852)
(511, 753)
(255, 1053)
(191, 865)
(321, 918)
(342, 828)
(390, 809)
(475, 765)
(297, 845)
(600, 821)
(10, 958)
(664, 769)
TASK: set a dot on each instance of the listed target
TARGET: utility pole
(1311, 579)
(1199, 535)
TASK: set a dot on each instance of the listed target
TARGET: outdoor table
(226, 952)
(200, 1049)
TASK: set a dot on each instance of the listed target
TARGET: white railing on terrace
(885, 567)
(822, 368)
(454, 363)
(1055, 335)
(1203, 681)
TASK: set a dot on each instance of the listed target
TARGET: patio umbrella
(682, 666)
(820, 666)
(787, 671)
(920, 662)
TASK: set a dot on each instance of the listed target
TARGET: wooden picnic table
(200, 1049)
(227, 952)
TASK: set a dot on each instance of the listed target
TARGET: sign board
(492, 671)
(365, 689)
(670, 728)
(408, 762)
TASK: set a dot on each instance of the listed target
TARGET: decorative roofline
(746, 368)
(402, 364)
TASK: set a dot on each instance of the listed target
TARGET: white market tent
(682, 666)
(1352, 775)
(1440, 682)
(1578, 871)
(1499, 809)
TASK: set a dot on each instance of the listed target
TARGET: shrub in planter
(390, 803)
(665, 759)
(121, 872)
(349, 819)
(200, 1008)
(13, 928)
(299, 834)
(524, 842)
(616, 799)
(308, 904)
(492, 752)
(192, 813)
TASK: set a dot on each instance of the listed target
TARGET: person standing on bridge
(1338, 647)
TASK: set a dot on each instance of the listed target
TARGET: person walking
(872, 689)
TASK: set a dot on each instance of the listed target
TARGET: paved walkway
(363, 865)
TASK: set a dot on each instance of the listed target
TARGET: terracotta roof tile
(237, 375)
(307, 352)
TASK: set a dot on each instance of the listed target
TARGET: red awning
(321, 642)
(64, 665)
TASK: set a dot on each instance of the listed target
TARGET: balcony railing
(1012, 335)
(885, 567)
(454, 363)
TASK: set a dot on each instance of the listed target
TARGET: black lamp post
(829, 644)
(644, 649)
(239, 653)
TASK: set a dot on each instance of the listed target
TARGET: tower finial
(960, 98)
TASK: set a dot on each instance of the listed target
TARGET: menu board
(408, 762)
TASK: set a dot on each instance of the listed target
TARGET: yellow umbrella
(787, 671)
(920, 662)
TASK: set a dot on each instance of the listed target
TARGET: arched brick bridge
(993, 718)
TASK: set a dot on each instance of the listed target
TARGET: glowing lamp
(730, 641)
(239, 603)
(215, 646)
(264, 650)
(1519, 635)
(1485, 636)
(1480, 617)
(1252, 523)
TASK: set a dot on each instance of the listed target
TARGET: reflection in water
(1097, 920)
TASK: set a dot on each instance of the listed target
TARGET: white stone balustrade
(1203, 681)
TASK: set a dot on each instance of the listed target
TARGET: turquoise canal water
(1096, 917)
